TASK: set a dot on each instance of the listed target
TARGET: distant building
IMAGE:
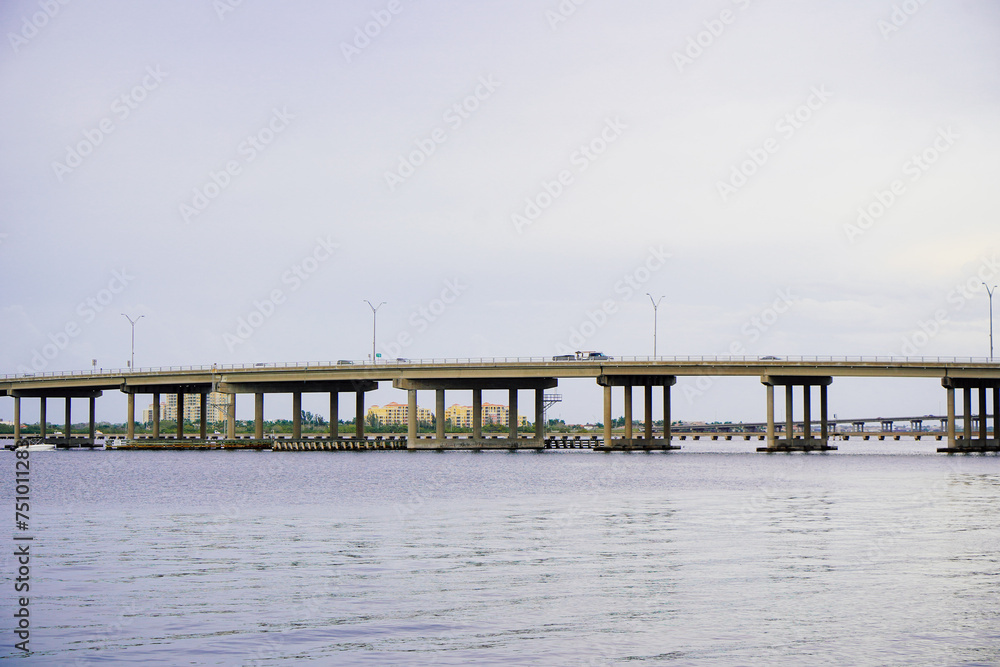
(395, 413)
(493, 413)
(215, 408)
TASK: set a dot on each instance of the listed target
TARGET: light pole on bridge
(374, 315)
(132, 322)
(656, 304)
(990, 292)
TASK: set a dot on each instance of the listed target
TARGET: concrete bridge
(967, 375)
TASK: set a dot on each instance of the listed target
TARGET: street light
(656, 304)
(132, 322)
(374, 311)
(990, 292)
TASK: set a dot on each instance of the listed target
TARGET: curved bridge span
(968, 375)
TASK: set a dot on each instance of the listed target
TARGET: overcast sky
(511, 177)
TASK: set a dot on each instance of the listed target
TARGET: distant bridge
(533, 373)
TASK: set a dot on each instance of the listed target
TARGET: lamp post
(656, 304)
(374, 313)
(990, 292)
(132, 322)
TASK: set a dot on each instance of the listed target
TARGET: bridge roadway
(513, 374)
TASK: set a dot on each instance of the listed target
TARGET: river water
(879, 554)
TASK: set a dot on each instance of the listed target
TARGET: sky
(511, 178)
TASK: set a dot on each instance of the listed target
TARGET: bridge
(967, 375)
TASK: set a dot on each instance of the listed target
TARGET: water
(882, 553)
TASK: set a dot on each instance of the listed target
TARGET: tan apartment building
(493, 413)
(395, 413)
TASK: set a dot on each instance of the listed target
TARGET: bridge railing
(439, 361)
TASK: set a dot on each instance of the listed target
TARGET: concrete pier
(439, 386)
(258, 386)
(628, 442)
(807, 442)
(258, 415)
(982, 442)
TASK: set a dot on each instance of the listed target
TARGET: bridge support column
(334, 415)
(512, 414)
(42, 417)
(824, 427)
(771, 443)
(156, 415)
(967, 414)
(296, 415)
(69, 418)
(666, 415)
(258, 415)
(607, 416)
(439, 414)
(539, 415)
(231, 417)
(203, 416)
(17, 418)
(411, 418)
(982, 414)
(477, 414)
(180, 415)
(647, 410)
(996, 414)
(359, 414)
(92, 428)
(789, 414)
(130, 422)
(806, 412)
(808, 442)
(951, 417)
(628, 413)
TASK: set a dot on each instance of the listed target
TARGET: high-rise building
(215, 408)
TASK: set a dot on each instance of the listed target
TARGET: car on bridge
(582, 356)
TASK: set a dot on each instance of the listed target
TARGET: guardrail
(403, 363)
